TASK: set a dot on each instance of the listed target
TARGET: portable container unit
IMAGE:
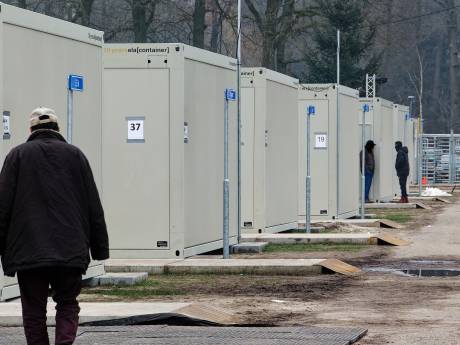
(37, 54)
(401, 128)
(379, 128)
(163, 155)
(334, 151)
(269, 151)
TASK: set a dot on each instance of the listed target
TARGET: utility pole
(363, 162)
(310, 112)
(238, 72)
(230, 95)
(338, 125)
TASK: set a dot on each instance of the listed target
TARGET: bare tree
(199, 25)
(86, 7)
(143, 14)
(22, 3)
(417, 80)
(276, 22)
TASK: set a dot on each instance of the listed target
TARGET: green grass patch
(150, 287)
(398, 217)
(314, 247)
(132, 293)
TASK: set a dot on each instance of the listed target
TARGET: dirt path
(438, 240)
(396, 309)
(401, 309)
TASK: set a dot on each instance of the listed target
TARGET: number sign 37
(135, 129)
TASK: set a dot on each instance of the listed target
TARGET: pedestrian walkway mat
(203, 335)
(189, 315)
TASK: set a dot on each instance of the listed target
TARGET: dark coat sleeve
(8, 183)
(99, 239)
(400, 161)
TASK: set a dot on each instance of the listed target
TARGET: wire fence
(441, 158)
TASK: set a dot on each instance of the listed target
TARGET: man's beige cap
(42, 115)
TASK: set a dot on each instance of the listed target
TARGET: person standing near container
(51, 218)
(369, 167)
(402, 169)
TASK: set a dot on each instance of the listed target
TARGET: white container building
(269, 151)
(379, 128)
(37, 54)
(334, 151)
(401, 129)
(163, 154)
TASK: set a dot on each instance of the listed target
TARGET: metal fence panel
(441, 158)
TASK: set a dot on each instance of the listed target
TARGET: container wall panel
(204, 153)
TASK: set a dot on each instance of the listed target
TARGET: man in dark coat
(51, 217)
(369, 167)
(402, 169)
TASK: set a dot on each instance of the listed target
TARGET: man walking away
(50, 218)
(402, 169)
(369, 167)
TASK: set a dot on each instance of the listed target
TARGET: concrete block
(119, 279)
(253, 266)
(391, 205)
(151, 266)
(361, 238)
(249, 247)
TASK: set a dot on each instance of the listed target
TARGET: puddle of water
(384, 270)
(416, 272)
(432, 262)
(432, 272)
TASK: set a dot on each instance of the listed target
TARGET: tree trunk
(452, 29)
(286, 28)
(139, 21)
(269, 34)
(388, 38)
(86, 9)
(215, 28)
(199, 25)
(22, 3)
(49, 8)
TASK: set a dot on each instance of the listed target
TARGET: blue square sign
(230, 95)
(311, 110)
(75, 82)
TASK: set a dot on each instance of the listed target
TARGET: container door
(319, 144)
(281, 154)
(386, 149)
(204, 155)
(350, 137)
(247, 156)
(368, 135)
(136, 178)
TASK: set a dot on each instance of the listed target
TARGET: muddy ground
(396, 308)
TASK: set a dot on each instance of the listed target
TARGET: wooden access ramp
(389, 224)
(388, 240)
(339, 267)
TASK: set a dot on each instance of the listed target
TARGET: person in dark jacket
(402, 169)
(51, 218)
(369, 167)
